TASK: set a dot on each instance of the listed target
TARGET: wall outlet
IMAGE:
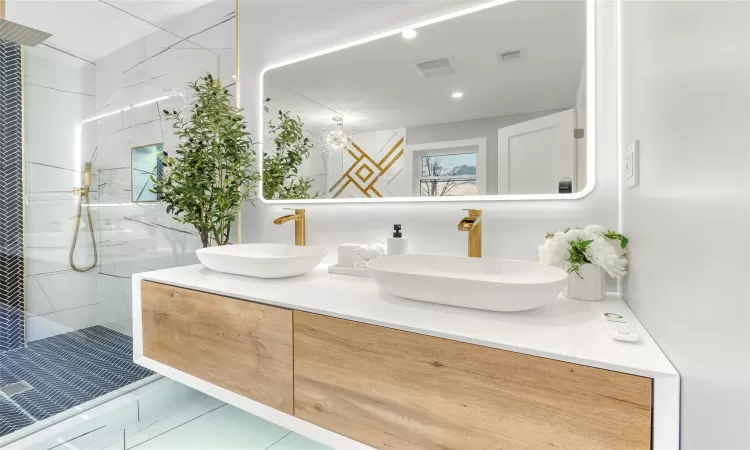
(632, 163)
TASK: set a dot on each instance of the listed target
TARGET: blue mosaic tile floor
(65, 371)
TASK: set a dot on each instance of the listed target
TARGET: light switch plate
(632, 163)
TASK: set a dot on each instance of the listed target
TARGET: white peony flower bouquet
(573, 247)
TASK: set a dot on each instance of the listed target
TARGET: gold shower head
(20, 34)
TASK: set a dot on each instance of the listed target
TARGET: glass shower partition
(77, 115)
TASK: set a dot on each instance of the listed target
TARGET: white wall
(272, 32)
(686, 97)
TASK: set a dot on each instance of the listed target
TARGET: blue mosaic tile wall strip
(65, 371)
(12, 323)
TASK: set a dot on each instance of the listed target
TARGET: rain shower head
(20, 34)
(17, 33)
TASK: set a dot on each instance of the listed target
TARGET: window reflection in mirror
(146, 163)
(488, 103)
(444, 175)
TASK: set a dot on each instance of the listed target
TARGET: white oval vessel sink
(480, 283)
(262, 260)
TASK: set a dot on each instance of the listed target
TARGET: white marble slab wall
(59, 92)
(137, 237)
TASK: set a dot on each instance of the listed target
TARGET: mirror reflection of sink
(262, 260)
(480, 283)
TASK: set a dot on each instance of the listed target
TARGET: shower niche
(145, 167)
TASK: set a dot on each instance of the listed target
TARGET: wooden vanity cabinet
(400, 390)
(242, 346)
(393, 389)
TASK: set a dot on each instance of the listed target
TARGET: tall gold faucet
(473, 224)
(299, 224)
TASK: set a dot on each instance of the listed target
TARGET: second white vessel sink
(480, 283)
(262, 260)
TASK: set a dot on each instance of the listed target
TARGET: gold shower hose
(83, 193)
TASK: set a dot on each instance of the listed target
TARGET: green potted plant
(281, 180)
(213, 171)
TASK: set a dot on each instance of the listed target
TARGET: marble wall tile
(44, 178)
(49, 260)
(57, 98)
(40, 327)
(114, 307)
(141, 134)
(121, 69)
(107, 125)
(69, 75)
(44, 215)
(69, 290)
(195, 23)
(141, 115)
(37, 301)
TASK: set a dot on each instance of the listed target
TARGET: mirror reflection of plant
(281, 180)
(214, 171)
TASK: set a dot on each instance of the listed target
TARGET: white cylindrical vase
(589, 286)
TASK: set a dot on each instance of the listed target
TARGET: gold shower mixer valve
(81, 190)
(86, 181)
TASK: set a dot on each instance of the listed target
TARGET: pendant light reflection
(335, 139)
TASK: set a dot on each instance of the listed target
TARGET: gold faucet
(473, 224)
(299, 224)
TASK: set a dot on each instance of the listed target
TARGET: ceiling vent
(435, 67)
(513, 55)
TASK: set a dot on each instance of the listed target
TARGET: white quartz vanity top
(565, 329)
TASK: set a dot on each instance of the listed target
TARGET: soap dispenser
(397, 245)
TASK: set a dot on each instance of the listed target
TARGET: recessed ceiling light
(409, 34)
(457, 94)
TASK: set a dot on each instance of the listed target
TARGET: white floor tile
(165, 397)
(294, 441)
(222, 429)
(173, 421)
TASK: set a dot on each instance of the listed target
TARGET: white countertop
(566, 330)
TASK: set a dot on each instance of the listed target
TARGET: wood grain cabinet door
(398, 390)
(242, 346)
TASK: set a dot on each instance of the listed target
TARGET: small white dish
(262, 260)
(335, 268)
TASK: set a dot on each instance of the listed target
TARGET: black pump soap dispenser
(397, 245)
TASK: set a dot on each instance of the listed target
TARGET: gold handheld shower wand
(83, 192)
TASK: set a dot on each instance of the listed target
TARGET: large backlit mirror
(492, 104)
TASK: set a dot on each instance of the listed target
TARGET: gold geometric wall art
(372, 161)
